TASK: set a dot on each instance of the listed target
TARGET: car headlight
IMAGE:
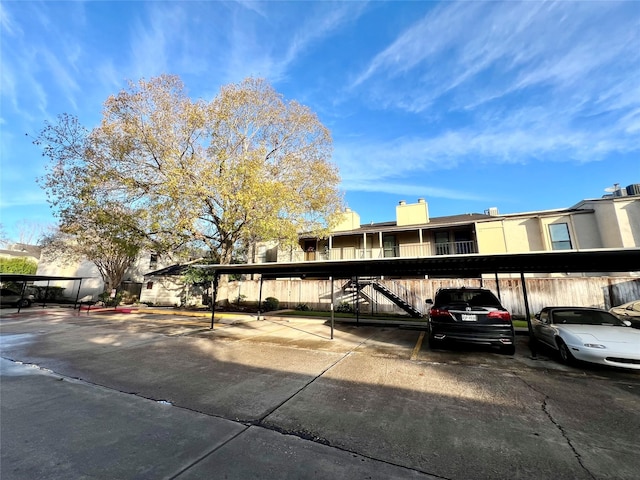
(594, 345)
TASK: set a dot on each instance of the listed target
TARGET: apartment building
(609, 222)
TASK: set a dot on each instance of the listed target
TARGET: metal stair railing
(402, 297)
(399, 295)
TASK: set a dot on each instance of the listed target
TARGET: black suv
(470, 315)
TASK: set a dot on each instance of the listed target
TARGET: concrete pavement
(152, 396)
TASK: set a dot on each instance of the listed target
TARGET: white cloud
(149, 42)
(476, 52)
(410, 190)
(267, 47)
(26, 198)
(530, 81)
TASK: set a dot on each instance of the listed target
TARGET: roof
(452, 220)
(177, 269)
(168, 271)
(461, 266)
(434, 222)
(17, 277)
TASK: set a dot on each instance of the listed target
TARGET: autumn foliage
(165, 172)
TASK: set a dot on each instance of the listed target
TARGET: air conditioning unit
(633, 189)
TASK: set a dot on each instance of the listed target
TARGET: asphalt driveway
(156, 396)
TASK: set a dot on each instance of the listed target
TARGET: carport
(459, 266)
(24, 279)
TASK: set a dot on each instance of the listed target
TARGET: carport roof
(469, 266)
(17, 277)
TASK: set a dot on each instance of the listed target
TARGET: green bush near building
(18, 265)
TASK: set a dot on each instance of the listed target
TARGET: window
(149, 285)
(560, 239)
(389, 246)
(153, 260)
(442, 243)
(544, 316)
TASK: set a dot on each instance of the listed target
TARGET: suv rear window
(470, 297)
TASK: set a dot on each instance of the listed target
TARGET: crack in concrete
(211, 452)
(544, 407)
(259, 423)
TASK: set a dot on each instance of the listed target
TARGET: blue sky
(521, 106)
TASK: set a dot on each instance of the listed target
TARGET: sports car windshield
(585, 317)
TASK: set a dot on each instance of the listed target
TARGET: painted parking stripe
(416, 349)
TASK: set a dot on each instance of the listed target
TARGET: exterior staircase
(351, 286)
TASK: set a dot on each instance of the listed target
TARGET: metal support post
(46, 293)
(77, 297)
(214, 295)
(532, 341)
(332, 320)
(357, 302)
(22, 291)
(260, 298)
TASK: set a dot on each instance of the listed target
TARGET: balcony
(398, 251)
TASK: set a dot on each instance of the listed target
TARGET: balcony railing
(455, 248)
(400, 251)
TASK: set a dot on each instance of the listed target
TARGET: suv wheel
(433, 342)
(508, 349)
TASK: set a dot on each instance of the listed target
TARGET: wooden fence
(601, 292)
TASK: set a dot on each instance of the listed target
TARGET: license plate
(468, 318)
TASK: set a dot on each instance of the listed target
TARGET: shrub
(19, 265)
(344, 307)
(129, 298)
(270, 303)
(53, 294)
(105, 298)
(303, 307)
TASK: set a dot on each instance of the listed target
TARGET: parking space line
(416, 349)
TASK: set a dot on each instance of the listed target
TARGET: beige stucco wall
(518, 235)
(92, 284)
(617, 220)
(628, 214)
(608, 225)
(510, 235)
(587, 234)
(412, 213)
(164, 291)
(349, 220)
(490, 237)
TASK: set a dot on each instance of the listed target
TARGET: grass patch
(324, 314)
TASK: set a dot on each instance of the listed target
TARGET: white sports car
(588, 334)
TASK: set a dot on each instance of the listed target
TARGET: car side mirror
(537, 315)
(428, 300)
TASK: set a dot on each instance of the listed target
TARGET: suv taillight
(500, 314)
(434, 312)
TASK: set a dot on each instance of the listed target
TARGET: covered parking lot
(603, 261)
(143, 395)
(162, 396)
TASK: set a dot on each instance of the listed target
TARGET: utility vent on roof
(493, 211)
